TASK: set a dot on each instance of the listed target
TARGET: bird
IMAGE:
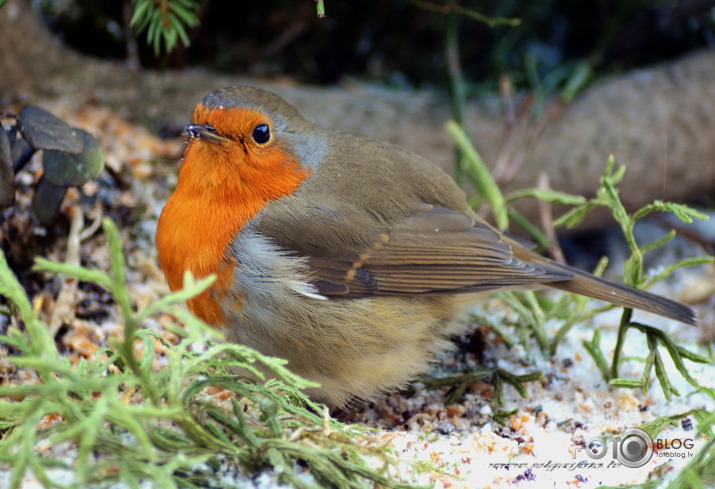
(347, 256)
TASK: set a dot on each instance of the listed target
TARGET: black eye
(261, 134)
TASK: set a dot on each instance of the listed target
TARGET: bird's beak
(205, 132)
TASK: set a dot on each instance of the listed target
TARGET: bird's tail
(589, 285)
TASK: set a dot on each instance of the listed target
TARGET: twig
(132, 47)
(97, 214)
(453, 8)
(511, 128)
(687, 232)
(552, 113)
(63, 310)
(546, 216)
(506, 93)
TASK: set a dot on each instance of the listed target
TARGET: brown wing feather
(434, 250)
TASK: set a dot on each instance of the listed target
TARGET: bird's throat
(214, 199)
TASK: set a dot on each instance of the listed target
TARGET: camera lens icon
(635, 447)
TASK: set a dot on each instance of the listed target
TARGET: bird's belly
(354, 347)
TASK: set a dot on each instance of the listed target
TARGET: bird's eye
(261, 134)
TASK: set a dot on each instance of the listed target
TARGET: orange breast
(220, 189)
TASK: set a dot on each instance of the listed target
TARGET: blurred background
(396, 42)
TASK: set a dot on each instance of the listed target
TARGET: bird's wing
(433, 250)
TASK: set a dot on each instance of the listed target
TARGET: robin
(347, 256)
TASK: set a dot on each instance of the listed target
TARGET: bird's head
(253, 136)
